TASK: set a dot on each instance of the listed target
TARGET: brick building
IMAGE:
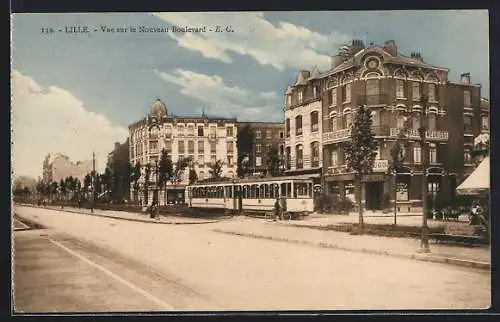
(266, 136)
(204, 139)
(319, 109)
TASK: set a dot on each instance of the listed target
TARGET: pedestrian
(277, 209)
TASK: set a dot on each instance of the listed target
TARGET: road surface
(84, 263)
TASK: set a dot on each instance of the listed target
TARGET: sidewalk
(477, 257)
(131, 216)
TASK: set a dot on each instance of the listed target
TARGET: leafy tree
(193, 177)
(62, 188)
(166, 170)
(106, 179)
(87, 183)
(181, 164)
(215, 169)
(360, 152)
(244, 144)
(273, 162)
(147, 178)
(135, 176)
(118, 177)
(53, 189)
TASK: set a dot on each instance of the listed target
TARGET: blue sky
(78, 93)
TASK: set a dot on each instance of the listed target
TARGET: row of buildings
(318, 111)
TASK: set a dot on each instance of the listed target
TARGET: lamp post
(422, 131)
(156, 197)
(93, 183)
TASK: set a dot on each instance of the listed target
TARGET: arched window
(287, 129)
(432, 153)
(417, 153)
(415, 91)
(333, 122)
(299, 156)
(298, 125)
(314, 121)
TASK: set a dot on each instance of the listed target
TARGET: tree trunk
(165, 193)
(359, 184)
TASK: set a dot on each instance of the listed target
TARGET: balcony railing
(373, 99)
(413, 134)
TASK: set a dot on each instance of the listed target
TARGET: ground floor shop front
(380, 190)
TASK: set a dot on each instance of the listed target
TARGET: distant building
(205, 139)
(57, 166)
(267, 136)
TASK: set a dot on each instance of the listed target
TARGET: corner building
(320, 107)
(204, 139)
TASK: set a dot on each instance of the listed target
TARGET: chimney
(465, 78)
(357, 45)
(391, 48)
(416, 55)
(336, 60)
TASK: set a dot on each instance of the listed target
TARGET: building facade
(267, 136)
(204, 139)
(57, 167)
(320, 107)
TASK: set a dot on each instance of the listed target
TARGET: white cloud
(282, 46)
(223, 100)
(50, 120)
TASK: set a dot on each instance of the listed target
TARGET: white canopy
(479, 180)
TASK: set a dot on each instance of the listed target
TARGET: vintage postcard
(250, 161)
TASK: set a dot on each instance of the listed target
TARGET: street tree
(273, 162)
(135, 176)
(360, 152)
(165, 172)
(244, 144)
(147, 178)
(62, 188)
(181, 164)
(54, 186)
(193, 177)
(215, 169)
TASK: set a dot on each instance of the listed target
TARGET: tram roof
(258, 180)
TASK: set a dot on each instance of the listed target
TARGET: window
(258, 161)
(315, 154)
(281, 134)
(467, 124)
(432, 153)
(347, 120)
(229, 131)
(268, 148)
(229, 159)
(168, 146)
(180, 130)
(213, 147)
(200, 130)
(334, 157)
(377, 151)
(485, 123)
(346, 93)
(400, 88)
(431, 117)
(375, 118)
(287, 127)
(201, 147)
(201, 175)
(333, 97)
(415, 91)
(229, 146)
(282, 148)
(401, 121)
(417, 154)
(432, 89)
(257, 148)
(268, 134)
(181, 147)
(191, 147)
(288, 157)
(153, 146)
(213, 158)
(298, 125)
(415, 121)
(190, 130)
(467, 98)
(168, 131)
(467, 157)
(314, 121)
(372, 87)
(333, 123)
(299, 161)
(258, 134)
(213, 132)
(301, 96)
(201, 159)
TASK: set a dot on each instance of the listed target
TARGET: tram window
(310, 190)
(276, 191)
(256, 191)
(301, 190)
(263, 190)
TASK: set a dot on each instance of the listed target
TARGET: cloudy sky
(75, 93)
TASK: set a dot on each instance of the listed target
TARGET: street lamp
(156, 198)
(422, 131)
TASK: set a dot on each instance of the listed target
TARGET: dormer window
(300, 96)
(288, 100)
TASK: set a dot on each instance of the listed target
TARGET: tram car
(296, 195)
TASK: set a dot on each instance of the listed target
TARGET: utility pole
(424, 245)
(93, 183)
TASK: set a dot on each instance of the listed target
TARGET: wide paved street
(86, 263)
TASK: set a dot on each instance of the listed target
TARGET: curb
(424, 258)
(127, 219)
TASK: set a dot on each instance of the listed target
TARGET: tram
(296, 195)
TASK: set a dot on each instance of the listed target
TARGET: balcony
(430, 135)
(378, 99)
